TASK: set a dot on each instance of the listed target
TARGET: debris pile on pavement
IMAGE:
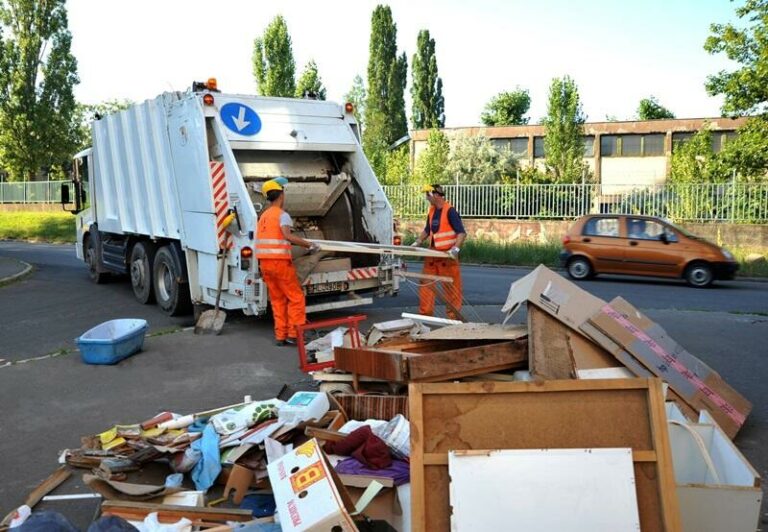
(589, 417)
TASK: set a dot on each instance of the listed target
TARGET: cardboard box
(308, 495)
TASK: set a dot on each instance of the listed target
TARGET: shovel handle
(222, 265)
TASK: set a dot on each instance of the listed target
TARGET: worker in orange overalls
(445, 232)
(273, 249)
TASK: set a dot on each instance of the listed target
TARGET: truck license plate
(325, 287)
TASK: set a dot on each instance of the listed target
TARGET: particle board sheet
(477, 331)
(433, 360)
(559, 414)
(579, 490)
(698, 384)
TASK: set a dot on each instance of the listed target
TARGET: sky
(617, 51)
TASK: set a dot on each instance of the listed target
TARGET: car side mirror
(64, 194)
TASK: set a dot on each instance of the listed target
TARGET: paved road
(47, 404)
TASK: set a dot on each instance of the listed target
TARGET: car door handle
(586, 240)
(632, 243)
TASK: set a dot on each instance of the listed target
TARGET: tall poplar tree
(39, 127)
(428, 108)
(310, 82)
(564, 123)
(273, 64)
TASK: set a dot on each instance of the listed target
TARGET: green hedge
(37, 226)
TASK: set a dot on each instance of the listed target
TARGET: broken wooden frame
(433, 360)
(378, 249)
(551, 414)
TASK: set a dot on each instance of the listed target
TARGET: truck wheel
(142, 259)
(171, 288)
(699, 275)
(92, 261)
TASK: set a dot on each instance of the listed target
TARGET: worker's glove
(416, 244)
(313, 248)
(454, 253)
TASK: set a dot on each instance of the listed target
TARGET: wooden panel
(477, 331)
(546, 414)
(549, 353)
(468, 361)
(370, 362)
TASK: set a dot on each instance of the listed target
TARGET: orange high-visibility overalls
(443, 240)
(285, 293)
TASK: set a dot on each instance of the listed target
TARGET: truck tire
(171, 285)
(91, 254)
(140, 268)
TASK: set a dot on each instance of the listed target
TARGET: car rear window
(602, 227)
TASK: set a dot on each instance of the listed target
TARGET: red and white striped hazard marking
(220, 203)
(362, 273)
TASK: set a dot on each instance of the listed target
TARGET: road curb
(27, 269)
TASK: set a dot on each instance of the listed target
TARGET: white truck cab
(161, 175)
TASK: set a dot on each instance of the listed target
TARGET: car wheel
(92, 261)
(141, 264)
(171, 293)
(699, 275)
(579, 268)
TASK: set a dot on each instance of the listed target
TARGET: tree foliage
(38, 123)
(564, 123)
(474, 160)
(273, 64)
(310, 83)
(397, 166)
(693, 159)
(507, 109)
(650, 109)
(746, 88)
(385, 120)
(428, 109)
(357, 95)
(432, 163)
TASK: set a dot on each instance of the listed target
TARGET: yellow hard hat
(272, 184)
(427, 188)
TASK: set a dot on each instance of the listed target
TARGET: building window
(609, 146)
(538, 147)
(500, 144)
(631, 145)
(678, 139)
(519, 146)
(589, 146)
(653, 145)
(720, 139)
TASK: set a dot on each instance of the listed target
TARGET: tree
(310, 83)
(38, 73)
(397, 166)
(428, 109)
(87, 113)
(474, 160)
(650, 109)
(385, 120)
(273, 64)
(357, 96)
(507, 109)
(432, 163)
(564, 124)
(746, 88)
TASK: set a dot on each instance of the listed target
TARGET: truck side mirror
(64, 194)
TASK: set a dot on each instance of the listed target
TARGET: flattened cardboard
(698, 384)
(554, 295)
(549, 352)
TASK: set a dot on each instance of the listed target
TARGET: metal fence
(690, 202)
(31, 192)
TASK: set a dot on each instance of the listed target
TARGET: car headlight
(727, 254)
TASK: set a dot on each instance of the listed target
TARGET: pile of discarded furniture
(589, 417)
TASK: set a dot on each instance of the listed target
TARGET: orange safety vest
(270, 242)
(445, 238)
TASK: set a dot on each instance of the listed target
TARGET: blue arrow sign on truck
(240, 118)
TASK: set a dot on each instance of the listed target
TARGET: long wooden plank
(132, 510)
(378, 249)
(533, 415)
(42, 489)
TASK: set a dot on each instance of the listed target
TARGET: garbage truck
(154, 192)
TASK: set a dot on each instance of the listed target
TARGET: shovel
(212, 321)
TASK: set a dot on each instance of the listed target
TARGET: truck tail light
(208, 99)
(397, 240)
(246, 254)
(566, 239)
(349, 108)
(212, 84)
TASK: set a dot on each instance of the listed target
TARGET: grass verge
(56, 227)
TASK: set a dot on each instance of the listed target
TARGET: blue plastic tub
(112, 341)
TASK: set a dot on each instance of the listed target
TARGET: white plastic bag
(152, 524)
